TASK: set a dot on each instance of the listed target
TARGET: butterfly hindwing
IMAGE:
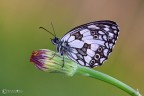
(90, 44)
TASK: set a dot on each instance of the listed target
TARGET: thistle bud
(50, 61)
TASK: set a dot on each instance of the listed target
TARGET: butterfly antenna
(53, 29)
(47, 31)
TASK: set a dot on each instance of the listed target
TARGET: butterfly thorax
(61, 46)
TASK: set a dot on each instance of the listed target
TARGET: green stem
(106, 78)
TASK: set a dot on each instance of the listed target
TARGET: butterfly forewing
(90, 44)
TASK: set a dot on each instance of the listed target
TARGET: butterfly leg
(63, 62)
(53, 56)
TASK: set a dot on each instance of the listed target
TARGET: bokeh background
(20, 35)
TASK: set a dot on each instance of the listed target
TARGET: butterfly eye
(100, 49)
(97, 56)
(95, 36)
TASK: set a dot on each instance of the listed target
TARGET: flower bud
(50, 61)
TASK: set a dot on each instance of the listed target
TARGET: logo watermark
(11, 91)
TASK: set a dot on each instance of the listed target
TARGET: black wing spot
(100, 49)
(78, 35)
(97, 57)
(88, 46)
(95, 37)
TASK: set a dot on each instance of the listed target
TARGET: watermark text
(11, 91)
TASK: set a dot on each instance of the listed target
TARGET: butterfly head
(55, 40)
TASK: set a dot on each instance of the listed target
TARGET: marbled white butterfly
(88, 44)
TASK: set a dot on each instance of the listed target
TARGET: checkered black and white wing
(90, 44)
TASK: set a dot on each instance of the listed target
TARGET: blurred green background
(20, 35)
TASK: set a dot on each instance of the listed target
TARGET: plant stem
(106, 78)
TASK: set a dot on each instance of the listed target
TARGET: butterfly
(89, 44)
